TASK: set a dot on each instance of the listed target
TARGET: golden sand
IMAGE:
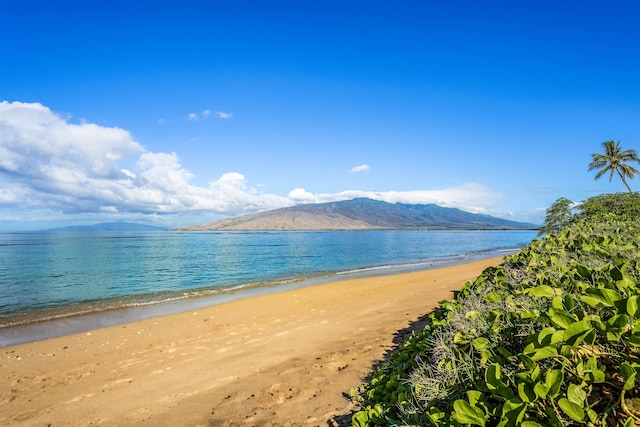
(283, 359)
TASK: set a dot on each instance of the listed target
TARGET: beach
(281, 359)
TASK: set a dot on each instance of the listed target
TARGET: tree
(558, 216)
(613, 160)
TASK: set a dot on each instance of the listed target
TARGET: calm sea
(59, 275)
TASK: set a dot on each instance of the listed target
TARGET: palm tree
(615, 160)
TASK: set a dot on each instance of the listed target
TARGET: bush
(551, 337)
(624, 205)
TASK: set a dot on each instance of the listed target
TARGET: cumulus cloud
(361, 168)
(223, 115)
(50, 165)
(48, 162)
(193, 116)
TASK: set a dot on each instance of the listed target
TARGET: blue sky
(176, 113)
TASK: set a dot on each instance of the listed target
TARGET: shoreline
(280, 359)
(61, 321)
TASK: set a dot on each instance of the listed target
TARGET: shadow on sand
(399, 338)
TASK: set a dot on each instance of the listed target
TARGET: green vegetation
(613, 160)
(558, 216)
(621, 205)
(551, 337)
(563, 211)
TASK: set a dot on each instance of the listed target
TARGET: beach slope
(283, 359)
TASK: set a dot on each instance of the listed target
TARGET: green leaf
(557, 303)
(576, 394)
(554, 380)
(535, 373)
(545, 336)
(474, 396)
(541, 291)
(619, 322)
(360, 419)
(562, 317)
(531, 424)
(583, 271)
(629, 374)
(600, 297)
(480, 343)
(629, 384)
(528, 363)
(492, 377)
(634, 340)
(573, 410)
(633, 307)
(593, 415)
(557, 337)
(530, 314)
(544, 353)
(472, 314)
(592, 373)
(576, 332)
(568, 302)
(459, 339)
(513, 412)
(526, 393)
(541, 390)
(494, 296)
(467, 414)
(616, 272)
(627, 282)
(436, 415)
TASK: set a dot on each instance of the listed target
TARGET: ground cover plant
(550, 337)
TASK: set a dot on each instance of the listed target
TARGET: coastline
(57, 322)
(281, 358)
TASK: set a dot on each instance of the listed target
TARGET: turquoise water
(58, 274)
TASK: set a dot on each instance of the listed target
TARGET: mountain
(361, 214)
(109, 226)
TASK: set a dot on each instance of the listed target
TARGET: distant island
(109, 226)
(362, 214)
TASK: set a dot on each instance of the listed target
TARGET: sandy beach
(283, 359)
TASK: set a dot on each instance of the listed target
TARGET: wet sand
(283, 359)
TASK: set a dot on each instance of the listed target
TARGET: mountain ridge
(361, 214)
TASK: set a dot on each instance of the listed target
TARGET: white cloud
(300, 195)
(471, 197)
(207, 113)
(162, 121)
(48, 162)
(361, 168)
(50, 165)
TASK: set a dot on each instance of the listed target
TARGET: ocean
(62, 282)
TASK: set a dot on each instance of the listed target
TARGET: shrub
(551, 337)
